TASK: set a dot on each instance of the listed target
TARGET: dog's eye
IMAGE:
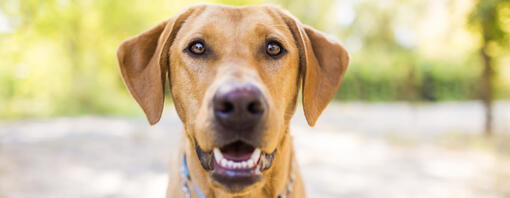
(197, 48)
(274, 49)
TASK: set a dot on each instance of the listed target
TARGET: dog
(234, 74)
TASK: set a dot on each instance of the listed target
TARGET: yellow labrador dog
(235, 74)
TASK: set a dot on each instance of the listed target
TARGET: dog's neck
(278, 179)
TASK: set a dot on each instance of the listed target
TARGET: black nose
(239, 107)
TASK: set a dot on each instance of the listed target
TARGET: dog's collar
(187, 178)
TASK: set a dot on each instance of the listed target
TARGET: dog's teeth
(255, 155)
(217, 154)
(250, 163)
(223, 162)
(230, 164)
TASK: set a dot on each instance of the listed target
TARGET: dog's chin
(235, 167)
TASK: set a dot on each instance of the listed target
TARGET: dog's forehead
(236, 21)
(236, 15)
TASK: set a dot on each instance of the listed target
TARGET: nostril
(255, 107)
(224, 107)
(228, 107)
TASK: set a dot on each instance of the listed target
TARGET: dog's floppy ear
(323, 63)
(143, 61)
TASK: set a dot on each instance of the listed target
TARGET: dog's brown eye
(197, 48)
(273, 49)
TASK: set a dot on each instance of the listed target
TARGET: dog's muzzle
(240, 112)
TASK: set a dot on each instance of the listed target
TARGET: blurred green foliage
(58, 56)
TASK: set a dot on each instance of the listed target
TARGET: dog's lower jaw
(271, 183)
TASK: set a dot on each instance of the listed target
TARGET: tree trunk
(487, 87)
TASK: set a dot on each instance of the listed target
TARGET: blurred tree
(58, 56)
(486, 18)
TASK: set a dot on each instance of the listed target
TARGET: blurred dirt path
(347, 154)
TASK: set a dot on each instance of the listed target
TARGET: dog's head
(235, 74)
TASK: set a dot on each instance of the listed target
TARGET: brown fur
(235, 36)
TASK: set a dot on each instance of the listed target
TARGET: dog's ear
(323, 63)
(144, 62)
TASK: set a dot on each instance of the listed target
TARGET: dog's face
(235, 74)
(237, 80)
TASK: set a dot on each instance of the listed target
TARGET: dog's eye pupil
(273, 49)
(197, 48)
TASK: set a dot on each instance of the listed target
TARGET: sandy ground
(350, 153)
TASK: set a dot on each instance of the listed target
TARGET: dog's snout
(239, 107)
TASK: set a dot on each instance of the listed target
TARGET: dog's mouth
(237, 164)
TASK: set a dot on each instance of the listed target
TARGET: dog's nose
(239, 107)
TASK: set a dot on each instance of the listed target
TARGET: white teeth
(224, 162)
(250, 163)
(217, 154)
(255, 155)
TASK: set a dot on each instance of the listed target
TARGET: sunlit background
(423, 110)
